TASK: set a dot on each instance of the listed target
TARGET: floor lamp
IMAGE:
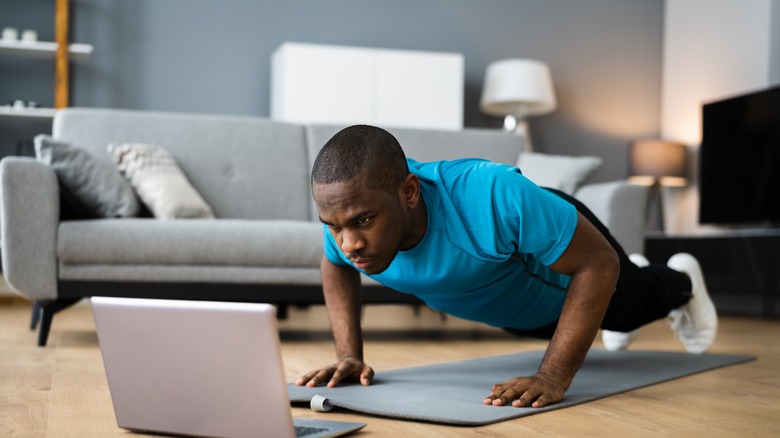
(659, 164)
(516, 89)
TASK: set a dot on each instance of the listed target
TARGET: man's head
(361, 150)
(366, 195)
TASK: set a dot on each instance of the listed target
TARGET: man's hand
(535, 391)
(349, 368)
(341, 288)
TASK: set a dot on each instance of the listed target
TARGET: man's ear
(410, 190)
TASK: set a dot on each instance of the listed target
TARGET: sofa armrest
(29, 217)
(621, 207)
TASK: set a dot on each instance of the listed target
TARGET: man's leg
(642, 295)
(648, 293)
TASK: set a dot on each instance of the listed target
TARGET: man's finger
(540, 402)
(526, 398)
(337, 377)
(321, 376)
(506, 392)
(544, 400)
(305, 378)
(495, 394)
(507, 396)
(366, 376)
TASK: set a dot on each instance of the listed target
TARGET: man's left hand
(535, 391)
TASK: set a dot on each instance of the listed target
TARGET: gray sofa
(265, 243)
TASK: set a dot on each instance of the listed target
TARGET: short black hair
(362, 150)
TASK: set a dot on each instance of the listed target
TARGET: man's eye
(364, 220)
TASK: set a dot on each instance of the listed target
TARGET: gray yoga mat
(452, 392)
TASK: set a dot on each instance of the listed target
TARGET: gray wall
(210, 56)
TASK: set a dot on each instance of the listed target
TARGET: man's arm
(594, 268)
(341, 287)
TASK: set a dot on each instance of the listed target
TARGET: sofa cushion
(90, 186)
(193, 242)
(212, 274)
(560, 172)
(159, 181)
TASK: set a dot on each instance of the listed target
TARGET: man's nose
(351, 242)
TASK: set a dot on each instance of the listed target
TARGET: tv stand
(740, 267)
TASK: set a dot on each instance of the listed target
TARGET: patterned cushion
(159, 182)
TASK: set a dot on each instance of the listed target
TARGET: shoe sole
(706, 311)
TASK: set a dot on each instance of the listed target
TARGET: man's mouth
(361, 263)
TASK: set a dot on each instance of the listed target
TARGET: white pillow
(561, 172)
(159, 181)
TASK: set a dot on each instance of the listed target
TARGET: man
(478, 240)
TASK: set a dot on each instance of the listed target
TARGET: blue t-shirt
(491, 234)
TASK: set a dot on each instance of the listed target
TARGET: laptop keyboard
(308, 430)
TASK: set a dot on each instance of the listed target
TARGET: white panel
(419, 89)
(312, 83)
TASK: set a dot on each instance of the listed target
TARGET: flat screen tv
(739, 161)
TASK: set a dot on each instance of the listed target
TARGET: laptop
(199, 368)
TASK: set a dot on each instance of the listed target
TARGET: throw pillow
(560, 172)
(95, 185)
(159, 181)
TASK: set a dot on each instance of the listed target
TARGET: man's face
(369, 226)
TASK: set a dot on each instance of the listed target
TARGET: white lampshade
(517, 87)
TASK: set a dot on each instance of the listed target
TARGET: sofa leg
(46, 312)
(36, 315)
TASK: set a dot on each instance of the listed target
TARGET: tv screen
(739, 160)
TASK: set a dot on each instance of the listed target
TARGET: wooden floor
(61, 390)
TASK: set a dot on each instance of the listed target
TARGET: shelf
(30, 113)
(43, 49)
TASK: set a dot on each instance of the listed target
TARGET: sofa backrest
(253, 167)
(432, 145)
(244, 167)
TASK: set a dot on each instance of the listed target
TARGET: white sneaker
(696, 322)
(620, 340)
(617, 340)
(639, 260)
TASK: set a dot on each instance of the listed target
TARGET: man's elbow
(610, 262)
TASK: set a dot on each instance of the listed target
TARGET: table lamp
(516, 89)
(658, 163)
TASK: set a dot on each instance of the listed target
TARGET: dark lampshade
(657, 162)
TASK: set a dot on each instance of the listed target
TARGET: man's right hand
(349, 368)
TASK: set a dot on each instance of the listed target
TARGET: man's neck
(419, 224)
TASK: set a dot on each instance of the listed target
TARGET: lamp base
(519, 126)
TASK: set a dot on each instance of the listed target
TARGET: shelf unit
(61, 51)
